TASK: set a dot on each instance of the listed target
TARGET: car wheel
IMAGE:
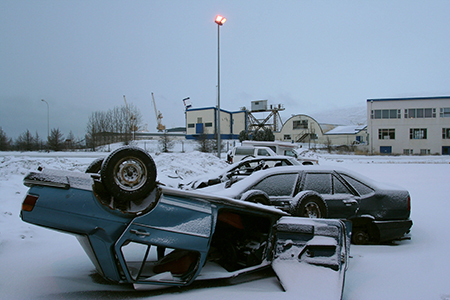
(360, 236)
(95, 166)
(128, 174)
(311, 207)
(364, 232)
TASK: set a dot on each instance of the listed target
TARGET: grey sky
(311, 56)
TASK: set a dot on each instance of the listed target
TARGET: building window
(191, 125)
(386, 114)
(199, 120)
(300, 124)
(445, 112)
(424, 151)
(209, 124)
(407, 151)
(287, 137)
(446, 133)
(386, 134)
(418, 133)
(420, 113)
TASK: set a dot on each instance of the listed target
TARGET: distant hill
(355, 115)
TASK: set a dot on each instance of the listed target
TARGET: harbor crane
(160, 127)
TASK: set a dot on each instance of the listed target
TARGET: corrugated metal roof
(347, 129)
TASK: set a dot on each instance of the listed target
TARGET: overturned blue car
(137, 231)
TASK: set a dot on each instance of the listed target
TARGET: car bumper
(393, 230)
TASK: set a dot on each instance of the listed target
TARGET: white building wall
(200, 116)
(230, 123)
(346, 139)
(239, 122)
(293, 130)
(402, 143)
(225, 122)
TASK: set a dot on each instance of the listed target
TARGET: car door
(341, 202)
(163, 246)
(316, 251)
(279, 187)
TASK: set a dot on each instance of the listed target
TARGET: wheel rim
(361, 237)
(312, 210)
(130, 174)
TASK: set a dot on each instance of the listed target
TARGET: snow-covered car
(379, 212)
(238, 171)
(241, 152)
(136, 231)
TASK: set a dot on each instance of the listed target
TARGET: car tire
(95, 166)
(310, 206)
(360, 236)
(128, 174)
(364, 232)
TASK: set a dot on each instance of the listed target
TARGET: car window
(360, 187)
(243, 151)
(278, 185)
(339, 187)
(319, 182)
(289, 153)
(263, 152)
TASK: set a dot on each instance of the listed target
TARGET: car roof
(274, 157)
(241, 185)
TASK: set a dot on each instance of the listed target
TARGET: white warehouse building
(409, 125)
(203, 121)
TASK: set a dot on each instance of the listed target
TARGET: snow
(347, 129)
(38, 263)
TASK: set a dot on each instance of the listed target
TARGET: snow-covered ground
(38, 263)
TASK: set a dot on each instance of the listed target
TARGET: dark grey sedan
(379, 212)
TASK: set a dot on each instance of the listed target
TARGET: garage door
(386, 149)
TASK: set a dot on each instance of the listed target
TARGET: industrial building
(203, 121)
(297, 129)
(409, 125)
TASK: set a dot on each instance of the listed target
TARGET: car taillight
(409, 203)
(29, 202)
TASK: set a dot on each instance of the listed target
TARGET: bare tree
(115, 125)
(56, 140)
(205, 144)
(38, 143)
(5, 142)
(328, 144)
(165, 142)
(25, 142)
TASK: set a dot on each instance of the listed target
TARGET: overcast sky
(310, 56)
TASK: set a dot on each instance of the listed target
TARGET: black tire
(95, 166)
(128, 174)
(311, 207)
(360, 236)
(364, 232)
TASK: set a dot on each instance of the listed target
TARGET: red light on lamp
(220, 20)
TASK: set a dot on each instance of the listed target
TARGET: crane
(160, 127)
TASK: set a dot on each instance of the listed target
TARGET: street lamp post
(48, 124)
(220, 21)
